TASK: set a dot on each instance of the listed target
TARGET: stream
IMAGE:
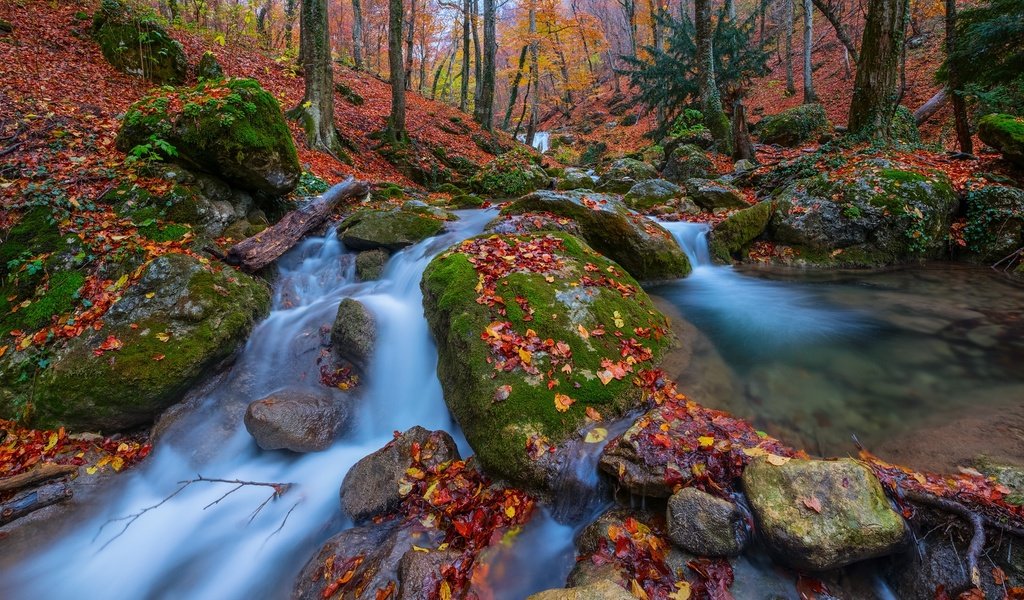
(812, 359)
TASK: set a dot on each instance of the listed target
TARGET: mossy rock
(575, 179)
(688, 162)
(642, 247)
(819, 515)
(995, 222)
(733, 235)
(623, 174)
(499, 421)
(175, 324)
(233, 129)
(1005, 133)
(134, 42)
(903, 127)
(370, 264)
(509, 175)
(466, 201)
(651, 192)
(715, 195)
(874, 213)
(387, 230)
(35, 233)
(799, 125)
(209, 67)
(349, 94)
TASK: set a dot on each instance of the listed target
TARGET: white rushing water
(188, 548)
(541, 140)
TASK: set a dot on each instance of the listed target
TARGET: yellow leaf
(583, 332)
(563, 402)
(150, 295)
(592, 414)
(777, 460)
(420, 549)
(446, 591)
(525, 356)
(683, 592)
(51, 442)
(636, 590)
(595, 435)
(510, 511)
(3, 350)
(605, 376)
(163, 337)
(117, 463)
(91, 470)
(549, 279)
(706, 441)
(618, 320)
(755, 451)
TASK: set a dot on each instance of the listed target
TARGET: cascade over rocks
(232, 128)
(527, 332)
(372, 486)
(300, 420)
(179, 320)
(642, 247)
(136, 44)
(822, 514)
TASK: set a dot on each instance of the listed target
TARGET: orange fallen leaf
(563, 402)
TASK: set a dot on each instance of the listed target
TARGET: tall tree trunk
(464, 94)
(477, 62)
(583, 36)
(423, 56)
(710, 100)
(876, 88)
(654, 7)
(317, 109)
(787, 24)
(514, 88)
(730, 9)
(963, 127)
(809, 96)
(484, 109)
(531, 128)
(357, 34)
(396, 133)
(837, 24)
(289, 22)
(410, 35)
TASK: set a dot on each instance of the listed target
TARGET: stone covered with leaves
(799, 125)
(133, 41)
(510, 175)
(167, 330)
(233, 129)
(536, 335)
(644, 248)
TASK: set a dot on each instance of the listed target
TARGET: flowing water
(812, 359)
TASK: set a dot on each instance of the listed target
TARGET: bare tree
(809, 96)
(963, 128)
(357, 33)
(710, 100)
(483, 111)
(787, 18)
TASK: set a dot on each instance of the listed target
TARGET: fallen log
(932, 106)
(258, 251)
(40, 473)
(30, 502)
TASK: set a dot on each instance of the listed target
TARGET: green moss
(498, 431)
(134, 41)
(1004, 133)
(795, 126)
(732, 236)
(58, 297)
(509, 175)
(164, 233)
(35, 233)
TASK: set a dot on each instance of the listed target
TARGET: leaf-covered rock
(233, 129)
(162, 336)
(642, 247)
(799, 125)
(531, 332)
(819, 515)
(1005, 133)
(133, 41)
(393, 230)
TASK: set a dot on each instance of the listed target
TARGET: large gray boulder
(575, 179)
(705, 525)
(372, 486)
(354, 333)
(687, 162)
(995, 222)
(804, 123)
(300, 420)
(649, 193)
(1005, 133)
(599, 590)
(387, 230)
(715, 195)
(641, 246)
(623, 174)
(819, 515)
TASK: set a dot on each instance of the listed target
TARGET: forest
(529, 299)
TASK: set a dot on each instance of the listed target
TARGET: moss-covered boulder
(509, 175)
(180, 319)
(233, 129)
(370, 264)
(387, 230)
(643, 247)
(714, 195)
(575, 179)
(819, 515)
(209, 67)
(904, 127)
(623, 174)
(531, 332)
(651, 192)
(799, 125)
(1005, 133)
(875, 212)
(688, 162)
(995, 222)
(732, 236)
(134, 42)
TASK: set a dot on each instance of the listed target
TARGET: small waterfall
(541, 140)
(693, 238)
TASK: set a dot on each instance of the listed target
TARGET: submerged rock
(300, 420)
(519, 383)
(372, 486)
(705, 525)
(623, 174)
(135, 43)
(354, 333)
(641, 246)
(178, 321)
(234, 129)
(387, 230)
(822, 514)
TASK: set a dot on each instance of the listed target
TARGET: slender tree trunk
(654, 7)
(876, 89)
(514, 88)
(837, 24)
(396, 132)
(477, 62)
(484, 109)
(289, 22)
(410, 36)
(531, 128)
(787, 17)
(710, 100)
(809, 96)
(963, 127)
(423, 56)
(583, 37)
(464, 94)
(357, 34)
(744, 149)
(317, 108)
(730, 9)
